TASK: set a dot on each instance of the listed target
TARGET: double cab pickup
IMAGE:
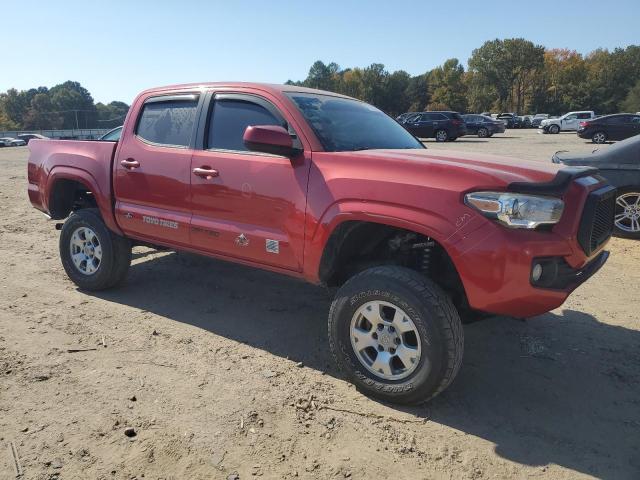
(329, 189)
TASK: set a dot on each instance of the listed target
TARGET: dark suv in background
(482, 126)
(443, 126)
(610, 127)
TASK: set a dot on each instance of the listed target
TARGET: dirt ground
(224, 370)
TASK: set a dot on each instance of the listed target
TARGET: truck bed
(90, 161)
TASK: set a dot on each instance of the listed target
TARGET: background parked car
(525, 121)
(443, 126)
(511, 120)
(538, 118)
(620, 165)
(30, 136)
(610, 127)
(113, 135)
(12, 142)
(482, 125)
(569, 121)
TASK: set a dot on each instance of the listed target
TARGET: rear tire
(599, 137)
(419, 357)
(442, 136)
(93, 257)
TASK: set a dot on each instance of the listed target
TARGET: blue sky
(117, 48)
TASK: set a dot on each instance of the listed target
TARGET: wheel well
(355, 246)
(67, 196)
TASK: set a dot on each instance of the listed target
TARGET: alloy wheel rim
(627, 217)
(86, 250)
(599, 137)
(441, 135)
(385, 340)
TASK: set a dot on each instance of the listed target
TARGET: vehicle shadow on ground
(561, 389)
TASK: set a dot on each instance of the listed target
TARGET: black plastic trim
(555, 187)
(563, 277)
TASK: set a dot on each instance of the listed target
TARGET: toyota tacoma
(329, 189)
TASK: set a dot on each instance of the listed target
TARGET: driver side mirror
(272, 139)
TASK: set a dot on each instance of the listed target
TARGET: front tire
(93, 257)
(627, 213)
(396, 335)
(483, 133)
(554, 129)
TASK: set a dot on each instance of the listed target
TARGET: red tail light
(456, 122)
(584, 124)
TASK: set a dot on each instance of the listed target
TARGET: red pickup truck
(330, 189)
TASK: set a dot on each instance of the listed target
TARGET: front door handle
(130, 163)
(205, 172)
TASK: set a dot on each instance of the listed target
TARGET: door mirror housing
(272, 139)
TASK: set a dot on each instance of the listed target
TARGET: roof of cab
(266, 87)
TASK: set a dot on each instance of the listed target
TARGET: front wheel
(93, 257)
(442, 136)
(396, 335)
(627, 213)
(554, 129)
(483, 133)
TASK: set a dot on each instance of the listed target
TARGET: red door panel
(254, 209)
(153, 198)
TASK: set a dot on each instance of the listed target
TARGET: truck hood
(465, 169)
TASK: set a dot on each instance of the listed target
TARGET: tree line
(65, 106)
(510, 75)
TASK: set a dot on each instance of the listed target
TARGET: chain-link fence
(75, 134)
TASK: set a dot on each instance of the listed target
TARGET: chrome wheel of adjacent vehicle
(599, 137)
(86, 251)
(385, 340)
(442, 136)
(627, 217)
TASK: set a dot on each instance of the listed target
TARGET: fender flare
(429, 224)
(84, 177)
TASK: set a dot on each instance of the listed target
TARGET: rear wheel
(396, 335)
(554, 129)
(483, 132)
(442, 136)
(627, 216)
(599, 137)
(93, 257)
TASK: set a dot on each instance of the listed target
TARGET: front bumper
(495, 263)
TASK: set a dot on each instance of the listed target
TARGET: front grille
(596, 224)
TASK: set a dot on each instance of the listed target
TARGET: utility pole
(76, 112)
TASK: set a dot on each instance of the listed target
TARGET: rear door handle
(130, 163)
(205, 172)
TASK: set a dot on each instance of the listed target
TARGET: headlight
(517, 210)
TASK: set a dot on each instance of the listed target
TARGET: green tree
(632, 102)
(75, 104)
(506, 67)
(448, 88)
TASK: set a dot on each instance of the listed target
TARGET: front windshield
(342, 124)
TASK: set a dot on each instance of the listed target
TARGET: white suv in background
(569, 121)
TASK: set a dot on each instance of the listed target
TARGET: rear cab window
(168, 121)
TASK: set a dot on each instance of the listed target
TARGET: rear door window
(168, 122)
